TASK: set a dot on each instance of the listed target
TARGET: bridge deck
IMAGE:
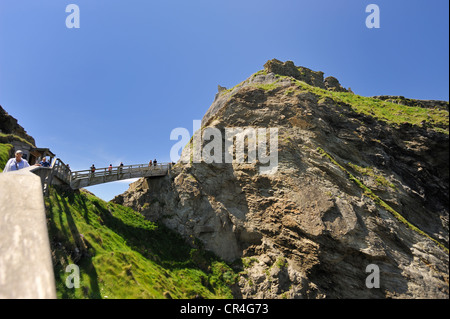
(84, 178)
(105, 175)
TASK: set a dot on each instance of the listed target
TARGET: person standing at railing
(120, 168)
(154, 162)
(16, 163)
(92, 170)
(110, 169)
(44, 163)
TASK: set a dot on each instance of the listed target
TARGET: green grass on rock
(120, 254)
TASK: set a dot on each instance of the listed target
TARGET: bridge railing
(61, 170)
(120, 170)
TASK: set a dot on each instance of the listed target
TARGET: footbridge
(61, 173)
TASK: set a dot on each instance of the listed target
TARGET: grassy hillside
(389, 112)
(4, 154)
(122, 255)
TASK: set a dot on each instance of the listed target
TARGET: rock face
(349, 191)
(443, 105)
(332, 84)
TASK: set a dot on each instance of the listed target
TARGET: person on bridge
(16, 163)
(110, 168)
(154, 162)
(44, 163)
(92, 170)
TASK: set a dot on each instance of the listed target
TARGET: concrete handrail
(26, 269)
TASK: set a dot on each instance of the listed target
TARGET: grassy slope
(389, 112)
(4, 154)
(126, 256)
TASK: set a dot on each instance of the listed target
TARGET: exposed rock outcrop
(9, 125)
(349, 190)
(332, 84)
(430, 104)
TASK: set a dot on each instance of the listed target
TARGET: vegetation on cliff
(4, 154)
(389, 112)
(392, 111)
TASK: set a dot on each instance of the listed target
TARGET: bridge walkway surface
(84, 178)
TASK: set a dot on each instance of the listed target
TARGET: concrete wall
(26, 269)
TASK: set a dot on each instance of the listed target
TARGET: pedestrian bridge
(61, 174)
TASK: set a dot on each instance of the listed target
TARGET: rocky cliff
(10, 126)
(359, 181)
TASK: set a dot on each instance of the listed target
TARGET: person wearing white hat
(16, 163)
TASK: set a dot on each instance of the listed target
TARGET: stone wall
(26, 269)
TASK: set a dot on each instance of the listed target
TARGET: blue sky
(115, 88)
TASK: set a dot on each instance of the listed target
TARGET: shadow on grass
(65, 252)
(155, 242)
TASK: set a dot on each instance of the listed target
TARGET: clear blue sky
(115, 88)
